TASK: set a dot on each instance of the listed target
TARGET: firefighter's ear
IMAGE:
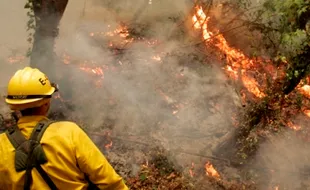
(45, 107)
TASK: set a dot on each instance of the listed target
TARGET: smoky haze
(285, 160)
(180, 103)
(13, 38)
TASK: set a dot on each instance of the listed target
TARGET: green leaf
(299, 3)
(286, 38)
(296, 74)
(143, 177)
(302, 10)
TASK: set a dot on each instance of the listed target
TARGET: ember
(293, 126)
(121, 32)
(16, 59)
(108, 146)
(66, 59)
(97, 70)
(191, 170)
(156, 57)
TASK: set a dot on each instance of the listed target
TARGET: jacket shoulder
(68, 123)
(65, 125)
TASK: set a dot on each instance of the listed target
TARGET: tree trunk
(48, 14)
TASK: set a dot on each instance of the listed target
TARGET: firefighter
(64, 157)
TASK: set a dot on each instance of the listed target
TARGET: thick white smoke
(181, 102)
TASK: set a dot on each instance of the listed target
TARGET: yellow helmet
(29, 88)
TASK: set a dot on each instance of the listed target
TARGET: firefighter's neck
(38, 111)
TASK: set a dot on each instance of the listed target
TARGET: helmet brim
(27, 101)
(38, 103)
(19, 102)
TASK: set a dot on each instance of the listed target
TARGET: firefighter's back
(59, 145)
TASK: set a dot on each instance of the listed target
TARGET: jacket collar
(31, 119)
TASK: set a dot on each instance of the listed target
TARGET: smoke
(283, 160)
(181, 102)
(286, 161)
(13, 39)
(12, 42)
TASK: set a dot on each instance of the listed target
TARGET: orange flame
(307, 113)
(57, 96)
(293, 126)
(156, 57)
(66, 59)
(97, 70)
(121, 31)
(305, 90)
(108, 146)
(16, 59)
(191, 170)
(210, 171)
(236, 60)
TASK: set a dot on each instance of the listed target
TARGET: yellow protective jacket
(71, 154)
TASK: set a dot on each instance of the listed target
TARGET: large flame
(237, 62)
(239, 67)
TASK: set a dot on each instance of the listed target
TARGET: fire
(200, 21)
(293, 126)
(118, 38)
(97, 70)
(66, 59)
(252, 86)
(16, 59)
(210, 171)
(151, 43)
(107, 134)
(57, 96)
(156, 58)
(121, 31)
(237, 62)
(108, 146)
(305, 90)
(239, 66)
(191, 170)
(307, 113)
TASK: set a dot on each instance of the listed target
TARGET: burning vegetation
(207, 106)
